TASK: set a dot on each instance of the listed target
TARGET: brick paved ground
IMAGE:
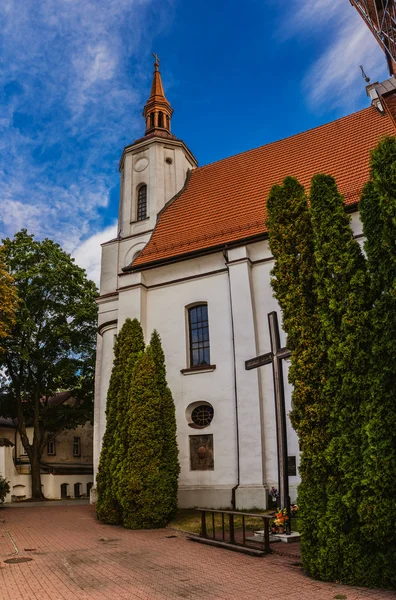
(75, 557)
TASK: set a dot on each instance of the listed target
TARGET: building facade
(192, 260)
(66, 464)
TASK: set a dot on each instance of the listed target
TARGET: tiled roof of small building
(225, 202)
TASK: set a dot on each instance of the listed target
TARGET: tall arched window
(142, 202)
(151, 119)
(198, 325)
(160, 119)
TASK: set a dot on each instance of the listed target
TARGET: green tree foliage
(170, 456)
(51, 346)
(148, 490)
(339, 314)
(292, 245)
(4, 489)
(378, 502)
(138, 470)
(8, 299)
(343, 301)
(128, 347)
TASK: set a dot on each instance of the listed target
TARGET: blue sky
(75, 75)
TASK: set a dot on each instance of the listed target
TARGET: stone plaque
(291, 466)
(201, 452)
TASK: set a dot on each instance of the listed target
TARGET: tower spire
(157, 111)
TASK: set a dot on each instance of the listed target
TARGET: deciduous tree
(51, 346)
(8, 300)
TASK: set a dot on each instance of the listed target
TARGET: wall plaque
(201, 452)
(291, 466)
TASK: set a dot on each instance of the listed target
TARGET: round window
(202, 415)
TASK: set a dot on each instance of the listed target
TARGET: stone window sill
(139, 221)
(200, 369)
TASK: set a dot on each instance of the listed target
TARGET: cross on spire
(157, 61)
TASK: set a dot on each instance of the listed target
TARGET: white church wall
(109, 270)
(166, 312)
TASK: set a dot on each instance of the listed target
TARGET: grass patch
(340, 597)
(190, 520)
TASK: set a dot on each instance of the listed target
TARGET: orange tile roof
(224, 202)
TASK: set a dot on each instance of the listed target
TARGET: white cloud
(335, 79)
(88, 253)
(70, 103)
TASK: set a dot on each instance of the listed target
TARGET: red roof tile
(226, 201)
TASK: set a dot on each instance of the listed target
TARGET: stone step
(287, 538)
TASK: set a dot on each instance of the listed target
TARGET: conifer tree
(170, 461)
(145, 489)
(378, 503)
(291, 242)
(343, 302)
(129, 344)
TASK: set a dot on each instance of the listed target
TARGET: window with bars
(76, 446)
(142, 203)
(199, 335)
(51, 448)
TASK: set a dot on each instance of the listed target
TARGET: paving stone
(76, 557)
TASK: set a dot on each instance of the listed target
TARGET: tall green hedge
(339, 312)
(138, 470)
(343, 303)
(149, 484)
(377, 508)
(129, 343)
(170, 467)
(292, 245)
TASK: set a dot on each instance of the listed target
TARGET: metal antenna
(366, 79)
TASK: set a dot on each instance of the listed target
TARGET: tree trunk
(37, 493)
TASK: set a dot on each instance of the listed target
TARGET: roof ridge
(215, 162)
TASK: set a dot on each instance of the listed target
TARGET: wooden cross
(275, 358)
(157, 60)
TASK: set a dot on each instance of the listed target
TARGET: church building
(192, 260)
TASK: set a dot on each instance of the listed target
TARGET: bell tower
(154, 168)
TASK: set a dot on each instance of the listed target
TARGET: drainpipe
(233, 491)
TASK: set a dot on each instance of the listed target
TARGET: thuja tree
(148, 473)
(292, 245)
(170, 462)
(128, 346)
(378, 503)
(343, 302)
(50, 347)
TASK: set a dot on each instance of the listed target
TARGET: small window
(199, 335)
(76, 446)
(151, 119)
(202, 415)
(51, 448)
(160, 119)
(142, 203)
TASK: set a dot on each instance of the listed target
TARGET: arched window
(198, 325)
(167, 122)
(151, 119)
(160, 119)
(142, 203)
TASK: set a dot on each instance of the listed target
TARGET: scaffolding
(380, 16)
